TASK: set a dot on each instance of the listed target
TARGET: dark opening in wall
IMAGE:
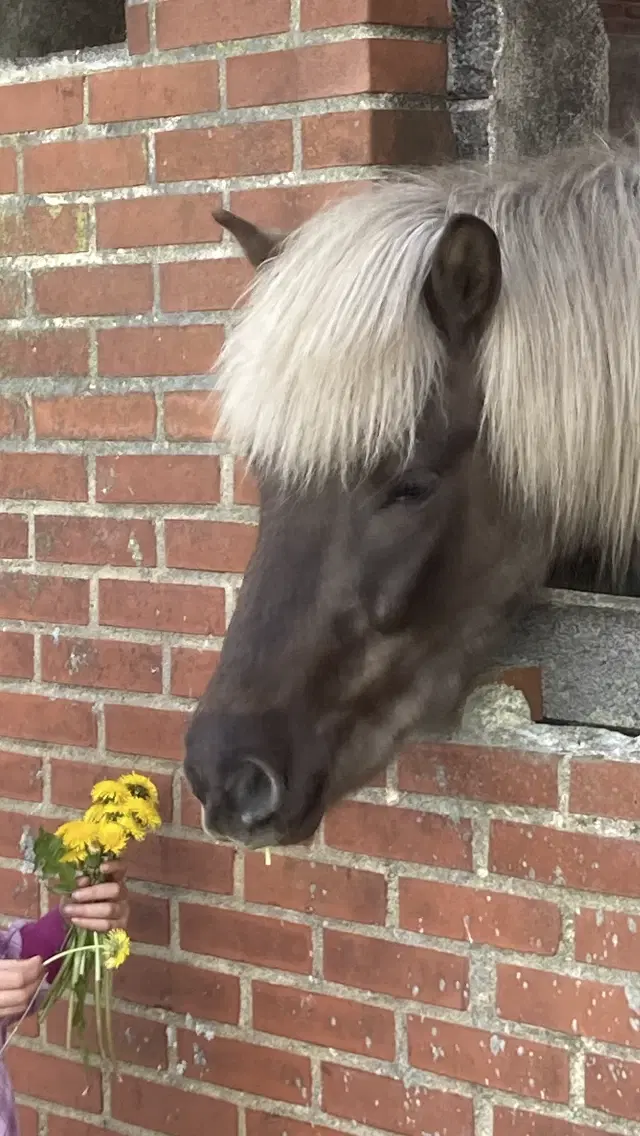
(30, 29)
(584, 573)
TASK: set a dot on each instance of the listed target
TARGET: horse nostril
(254, 792)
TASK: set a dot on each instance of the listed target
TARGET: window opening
(30, 29)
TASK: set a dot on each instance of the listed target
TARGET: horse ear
(464, 283)
(257, 244)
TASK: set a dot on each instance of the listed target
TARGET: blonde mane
(334, 358)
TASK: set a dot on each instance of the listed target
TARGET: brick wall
(458, 954)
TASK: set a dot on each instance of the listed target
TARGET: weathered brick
(244, 937)
(64, 1082)
(613, 1086)
(32, 717)
(287, 207)
(115, 417)
(499, 1061)
(267, 1124)
(172, 219)
(153, 92)
(418, 973)
(14, 536)
(382, 1102)
(8, 169)
(145, 731)
(323, 1020)
(37, 229)
(191, 416)
(180, 988)
(607, 938)
(43, 599)
(518, 1122)
(400, 834)
(40, 106)
(606, 788)
(95, 540)
(483, 774)
(245, 488)
(158, 479)
(326, 890)
(163, 1108)
(209, 546)
(191, 670)
(20, 776)
(275, 1073)
(376, 137)
(578, 1007)
(31, 355)
(16, 657)
(328, 70)
(103, 163)
(405, 13)
(12, 294)
(138, 36)
(13, 418)
(106, 665)
(149, 921)
(507, 921)
(225, 151)
(203, 285)
(136, 1041)
(115, 289)
(18, 894)
(574, 859)
(162, 607)
(165, 860)
(151, 351)
(188, 23)
(49, 477)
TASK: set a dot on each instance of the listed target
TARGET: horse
(436, 383)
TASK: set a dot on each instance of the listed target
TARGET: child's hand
(19, 982)
(101, 907)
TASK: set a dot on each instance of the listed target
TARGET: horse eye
(408, 492)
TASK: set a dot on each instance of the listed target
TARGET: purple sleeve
(45, 938)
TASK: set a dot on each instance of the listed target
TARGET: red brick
(50, 477)
(418, 973)
(168, 861)
(114, 289)
(162, 607)
(14, 536)
(574, 859)
(606, 788)
(102, 163)
(72, 782)
(11, 294)
(275, 1073)
(136, 1041)
(145, 732)
(209, 546)
(607, 938)
(13, 418)
(31, 355)
(266, 1124)
(180, 989)
(516, 1122)
(376, 137)
(157, 479)
(322, 71)
(189, 23)
(63, 1126)
(498, 775)
(326, 890)
(498, 1061)
(44, 599)
(169, 1110)
(191, 416)
(203, 285)
(60, 721)
(149, 921)
(225, 151)
(287, 207)
(11, 829)
(40, 106)
(470, 915)
(16, 655)
(68, 1083)
(191, 810)
(323, 1020)
(43, 229)
(20, 776)
(113, 417)
(18, 893)
(138, 37)
(155, 351)
(400, 834)
(382, 1102)
(613, 1086)
(175, 219)
(404, 13)
(247, 938)
(105, 665)
(192, 670)
(578, 1007)
(153, 92)
(8, 170)
(245, 488)
(29, 1124)
(95, 540)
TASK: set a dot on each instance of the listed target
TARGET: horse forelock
(334, 358)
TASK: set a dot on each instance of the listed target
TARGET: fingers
(19, 982)
(100, 917)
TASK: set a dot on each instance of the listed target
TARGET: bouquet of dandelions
(122, 810)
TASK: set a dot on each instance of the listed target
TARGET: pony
(436, 383)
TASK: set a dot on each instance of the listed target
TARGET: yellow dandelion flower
(140, 787)
(109, 793)
(116, 814)
(80, 837)
(117, 948)
(113, 839)
(145, 814)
